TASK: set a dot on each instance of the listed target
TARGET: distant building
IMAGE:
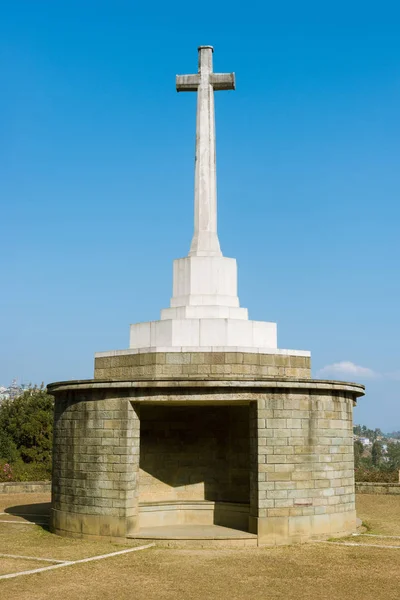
(4, 394)
(365, 441)
(12, 391)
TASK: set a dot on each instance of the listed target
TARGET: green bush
(372, 475)
(26, 435)
(8, 449)
(6, 473)
(30, 471)
(358, 453)
(393, 455)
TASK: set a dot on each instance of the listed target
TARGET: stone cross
(205, 239)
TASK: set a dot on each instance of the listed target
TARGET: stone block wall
(378, 488)
(194, 453)
(304, 484)
(211, 365)
(95, 465)
(283, 446)
(25, 487)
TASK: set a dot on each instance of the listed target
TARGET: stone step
(196, 536)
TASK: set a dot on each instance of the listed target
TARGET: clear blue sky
(96, 178)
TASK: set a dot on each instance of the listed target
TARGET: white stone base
(205, 315)
(204, 311)
(150, 349)
(205, 281)
(203, 332)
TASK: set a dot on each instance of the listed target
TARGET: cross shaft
(205, 239)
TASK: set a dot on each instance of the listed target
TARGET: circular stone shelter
(272, 456)
(204, 428)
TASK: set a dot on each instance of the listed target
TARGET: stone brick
(289, 465)
(177, 358)
(130, 366)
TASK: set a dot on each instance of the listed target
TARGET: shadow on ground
(38, 513)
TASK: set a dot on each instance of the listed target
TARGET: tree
(393, 454)
(8, 449)
(358, 452)
(28, 422)
(376, 453)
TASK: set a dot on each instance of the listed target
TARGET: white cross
(205, 239)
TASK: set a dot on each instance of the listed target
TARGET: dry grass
(12, 565)
(307, 572)
(375, 541)
(28, 540)
(381, 514)
(35, 502)
(35, 541)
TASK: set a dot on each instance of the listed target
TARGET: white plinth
(201, 333)
(205, 281)
(204, 287)
(204, 311)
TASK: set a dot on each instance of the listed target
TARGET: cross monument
(205, 239)
(204, 310)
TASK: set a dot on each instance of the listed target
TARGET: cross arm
(187, 83)
(222, 81)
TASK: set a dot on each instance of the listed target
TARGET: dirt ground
(307, 572)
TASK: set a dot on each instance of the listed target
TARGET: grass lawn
(381, 514)
(38, 541)
(306, 572)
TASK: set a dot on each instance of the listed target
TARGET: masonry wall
(378, 488)
(25, 487)
(304, 483)
(194, 453)
(297, 474)
(95, 465)
(239, 365)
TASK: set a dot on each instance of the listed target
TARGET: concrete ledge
(197, 536)
(197, 349)
(94, 527)
(25, 487)
(275, 531)
(152, 515)
(378, 488)
(222, 382)
(226, 514)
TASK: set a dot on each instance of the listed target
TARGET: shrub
(358, 452)
(376, 475)
(376, 453)
(28, 421)
(8, 449)
(6, 473)
(30, 471)
(26, 432)
(393, 454)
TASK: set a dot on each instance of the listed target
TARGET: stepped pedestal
(204, 312)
